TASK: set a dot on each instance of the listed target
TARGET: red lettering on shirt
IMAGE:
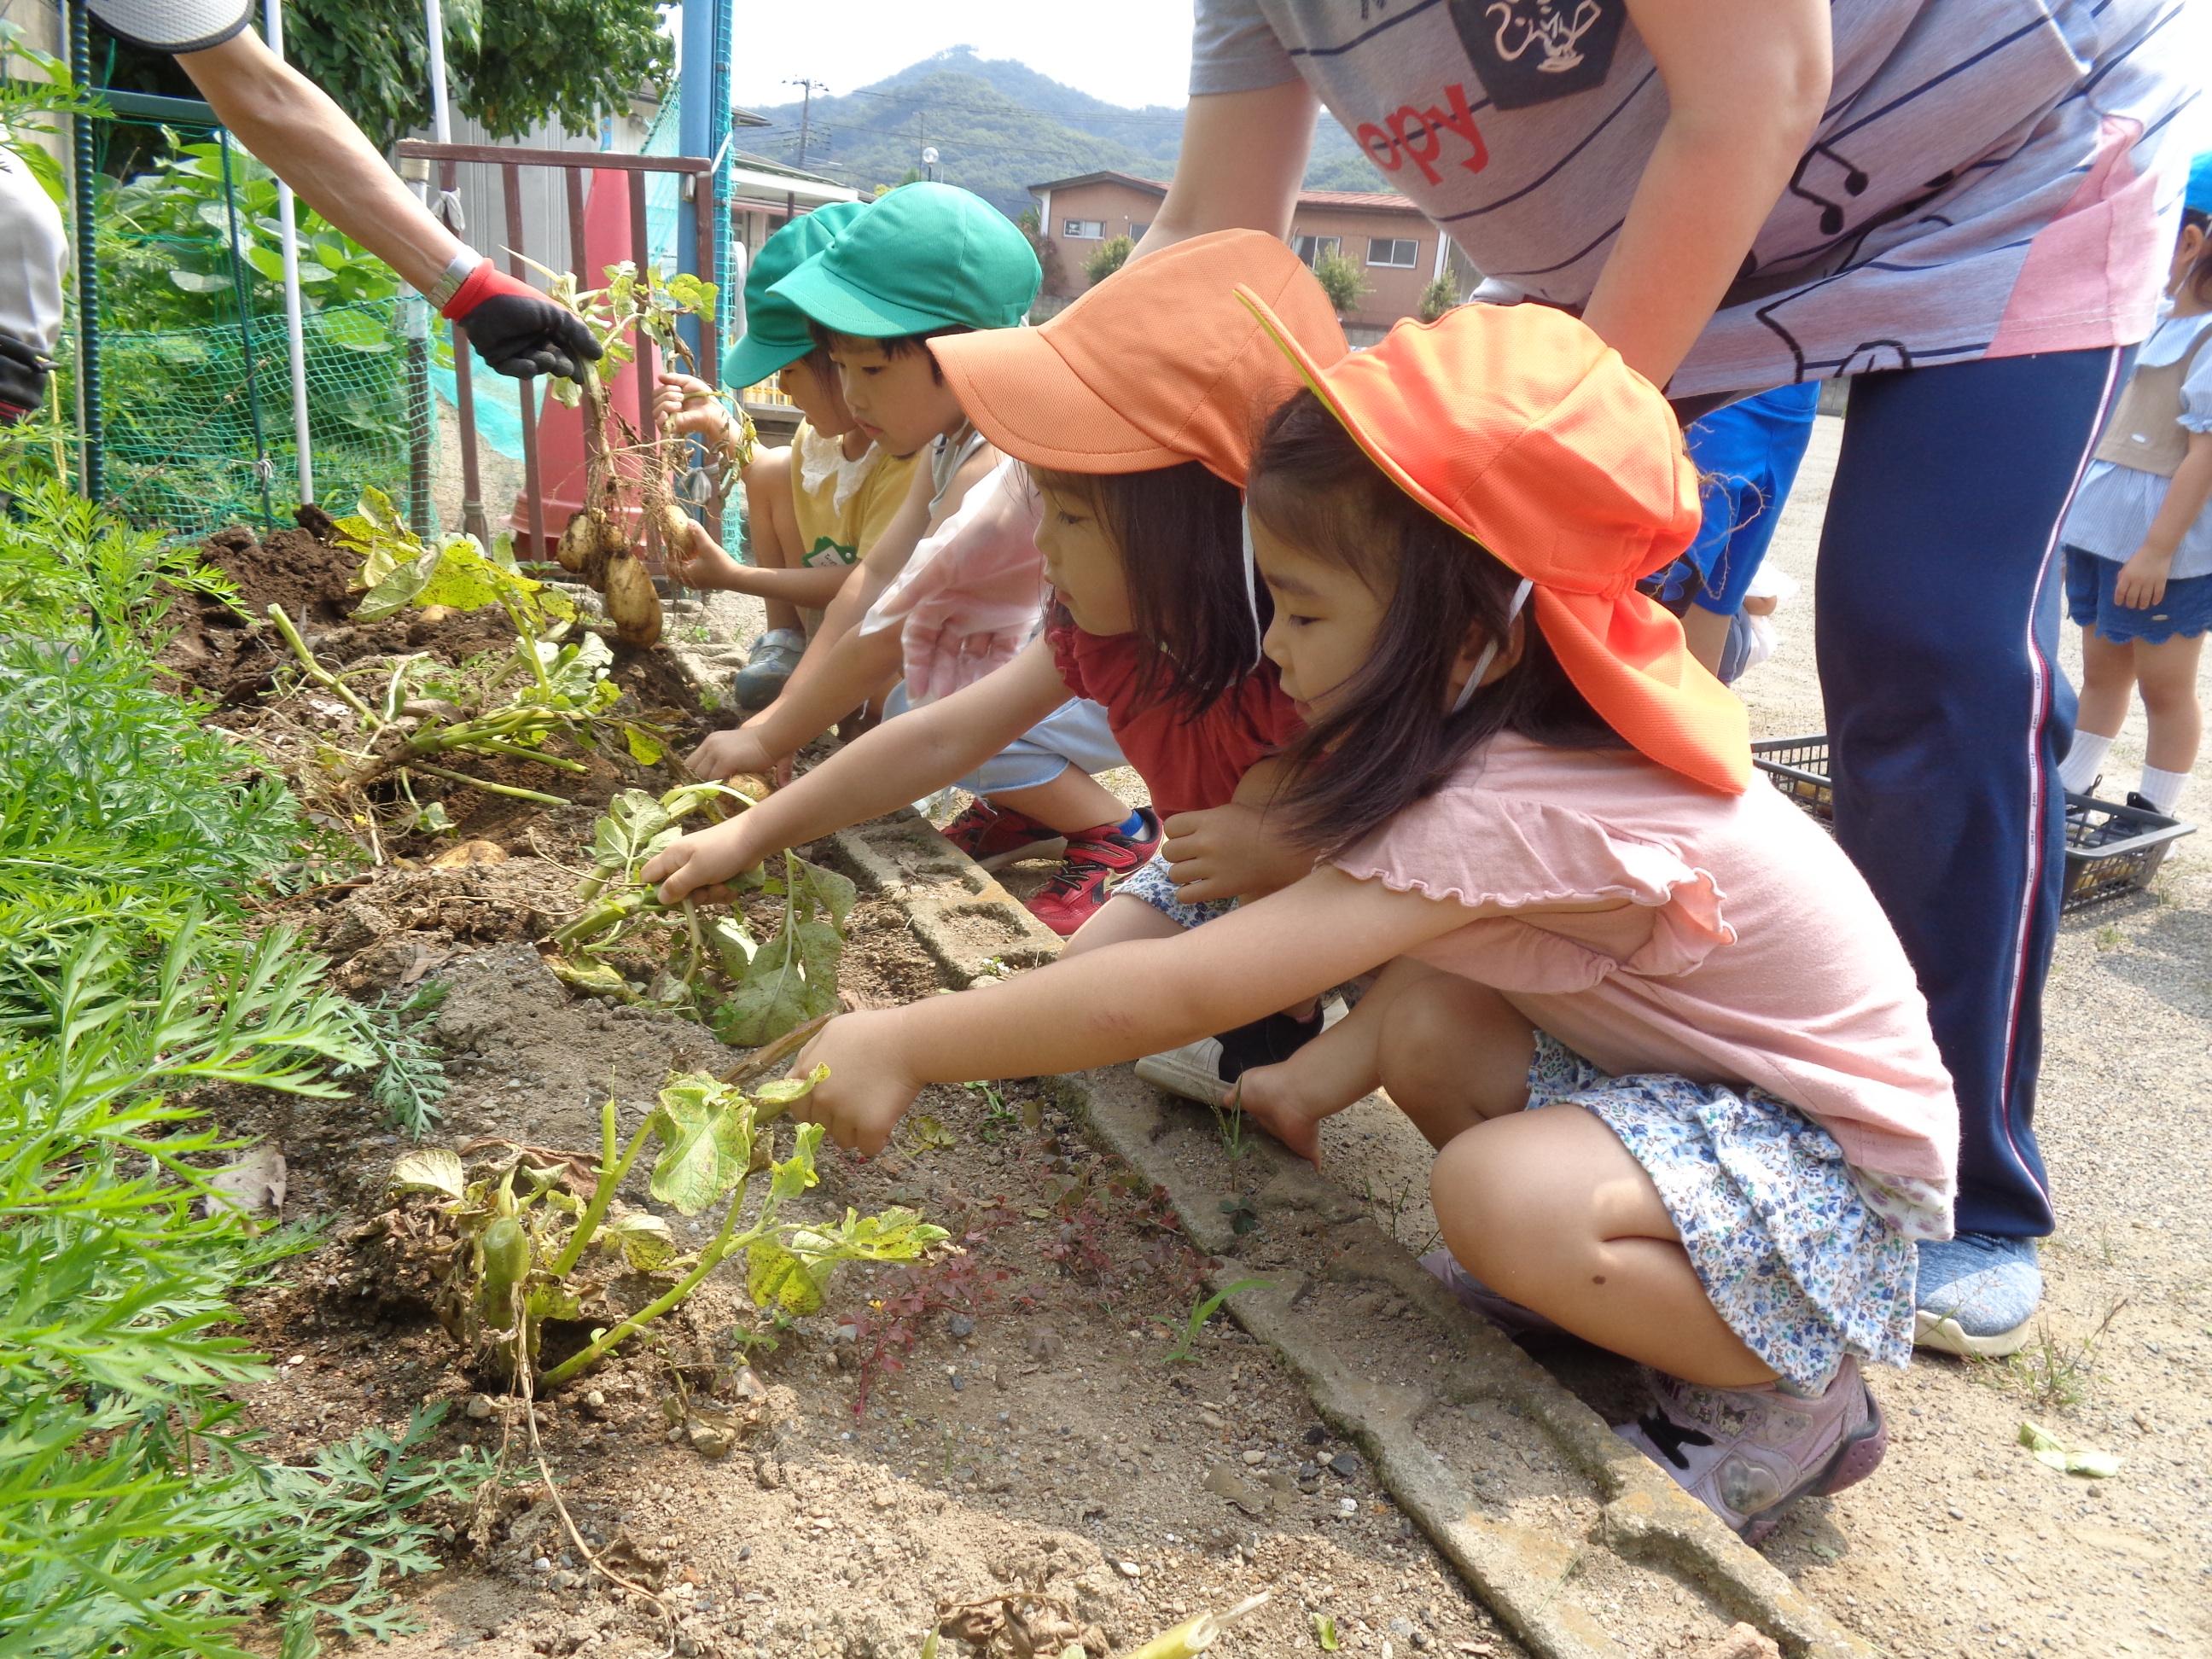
(1418, 134)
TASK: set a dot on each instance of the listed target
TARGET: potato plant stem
(485, 784)
(611, 1176)
(709, 1259)
(317, 673)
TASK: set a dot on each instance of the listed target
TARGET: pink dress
(1746, 949)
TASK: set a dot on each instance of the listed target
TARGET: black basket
(2111, 850)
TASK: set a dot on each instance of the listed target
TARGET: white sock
(2161, 789)
(2084, 760)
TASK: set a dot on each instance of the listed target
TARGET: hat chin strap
(1252, 584)
(1490, 651)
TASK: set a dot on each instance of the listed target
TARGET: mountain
(998, 127)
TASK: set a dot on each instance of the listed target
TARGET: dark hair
(1179, 531)
(1390, 742)
(892, 345)
(2198, 281)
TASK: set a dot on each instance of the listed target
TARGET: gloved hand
(517, 330)
(22, 379)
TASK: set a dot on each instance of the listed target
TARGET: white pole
(294, 337)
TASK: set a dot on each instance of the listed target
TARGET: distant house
(1397, 250)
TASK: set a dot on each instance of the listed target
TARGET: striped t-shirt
(1985, 180)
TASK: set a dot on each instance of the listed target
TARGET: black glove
(22, 379)
(517, 330)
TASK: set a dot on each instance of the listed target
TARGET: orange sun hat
(1521, 428)
(1156, 366)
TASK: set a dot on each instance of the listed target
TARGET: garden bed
(1018, 1440)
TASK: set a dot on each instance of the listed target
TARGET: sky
(1143, 57)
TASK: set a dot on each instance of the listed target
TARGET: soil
(1014, 1439)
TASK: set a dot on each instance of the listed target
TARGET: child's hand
(868, 1089)
(726, 754)
(695, 866)
(684, 404)
(1225, 852)
(2142, 581)
(703, 562)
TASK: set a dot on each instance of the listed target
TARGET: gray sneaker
(1750, 1453)
(761, 681)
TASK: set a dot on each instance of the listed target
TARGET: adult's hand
(517, 330)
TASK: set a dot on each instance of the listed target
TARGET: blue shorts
(1074, 734)
(2186, 612)
(1748, 455)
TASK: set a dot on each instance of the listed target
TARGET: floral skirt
(1151, 883)
(1794, 1258)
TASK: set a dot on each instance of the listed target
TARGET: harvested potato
(631, 600)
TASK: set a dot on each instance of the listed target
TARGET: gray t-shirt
(1986, 179)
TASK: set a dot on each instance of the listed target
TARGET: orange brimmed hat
(1156, 366)
(1520, 427)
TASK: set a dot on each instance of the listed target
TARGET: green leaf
(2054, 1453)
(776, 996)
(432, 1170)
(705, 1129)
(796, 1173)
(594, 978)
(836, 892)
(776, 1278)
(645, 748)
(929, 1131)
(781, 1091)
(356, 332)
(893, 1235)
(645, 1240)
(550, 1299)
(267, 261)
(1325, 1633)
(734, 945)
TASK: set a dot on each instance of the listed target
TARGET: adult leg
(1937, 624)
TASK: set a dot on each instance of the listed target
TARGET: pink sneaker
(1748, 1454)
(1503, 1311)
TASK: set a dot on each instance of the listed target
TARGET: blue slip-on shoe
(1977, 1293)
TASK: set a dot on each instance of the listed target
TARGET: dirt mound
(401, 923)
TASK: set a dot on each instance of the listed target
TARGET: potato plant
(596, 544)
(625, 944)
(416, 714)
(537, 1240)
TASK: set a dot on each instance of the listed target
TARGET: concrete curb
(1579, 1545)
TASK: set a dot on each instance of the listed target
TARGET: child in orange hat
(1531, 810)
(1137, 440)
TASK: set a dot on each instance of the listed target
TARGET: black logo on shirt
(1529, 52)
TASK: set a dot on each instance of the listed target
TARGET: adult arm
(926, 748)
(1745, 90)
(1243, 156)
(291, 124)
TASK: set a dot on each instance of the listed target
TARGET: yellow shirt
(842, 506)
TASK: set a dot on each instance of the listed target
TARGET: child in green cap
(814, 507)
(929, 259)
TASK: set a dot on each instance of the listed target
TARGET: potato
(577, 542)
(631, 600)
(675, 528)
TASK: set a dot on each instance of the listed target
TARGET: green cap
(925, 257)
(775, 329)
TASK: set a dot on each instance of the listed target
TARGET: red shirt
(1190, 762)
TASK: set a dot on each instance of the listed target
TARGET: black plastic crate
(2110, 849)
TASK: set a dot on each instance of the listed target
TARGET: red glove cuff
(479, 286)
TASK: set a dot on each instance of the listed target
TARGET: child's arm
(705, 562)
(842, 668)
(2142, 581)
(929, 748)
(1116, 1003)
(1234, 851)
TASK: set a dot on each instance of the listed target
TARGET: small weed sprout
(1194, 1321)
(2056, 1376)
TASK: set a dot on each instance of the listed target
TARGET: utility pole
(808, 89)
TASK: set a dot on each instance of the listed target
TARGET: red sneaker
(995, 837)
(1097, 858)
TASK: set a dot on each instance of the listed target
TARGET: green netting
(180, 406)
